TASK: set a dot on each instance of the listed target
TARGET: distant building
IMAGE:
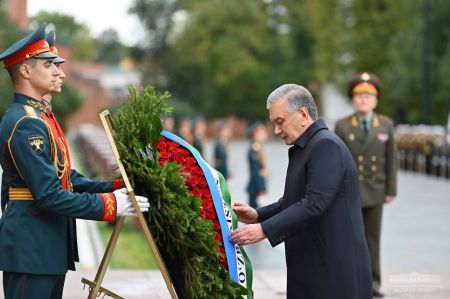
(101, 86)
(17, 12)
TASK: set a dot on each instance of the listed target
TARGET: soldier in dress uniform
(41, 193)
(370, 138)
(257, 163)
(199, 135)
(220, 149)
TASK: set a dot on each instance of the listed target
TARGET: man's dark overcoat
(319, 219)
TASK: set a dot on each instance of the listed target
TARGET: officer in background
(199, 134)
(41, 194)
(257, 162)
(220, 149)
(370, 138)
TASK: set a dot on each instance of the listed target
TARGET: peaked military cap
(365, 82)
(33, 45)
(51, 40)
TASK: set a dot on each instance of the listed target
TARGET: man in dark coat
(370, 138)
(319, 216)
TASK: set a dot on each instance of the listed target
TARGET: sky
(98, 15)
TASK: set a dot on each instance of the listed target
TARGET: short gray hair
(297, 97)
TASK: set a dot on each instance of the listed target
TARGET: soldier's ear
(25, 71)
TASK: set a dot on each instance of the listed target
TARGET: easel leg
(106, 257)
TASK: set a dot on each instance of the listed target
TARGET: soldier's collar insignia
(37, 144)
(41, 105)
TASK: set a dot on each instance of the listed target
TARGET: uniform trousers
(32, 286)
(252, 200)
(372, 224)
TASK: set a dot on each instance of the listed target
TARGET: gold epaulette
(354, 121)
(376, 121)
(29, 111)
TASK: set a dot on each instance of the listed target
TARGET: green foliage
(9, 33)
(231, 54)
(186, 241)
(132, 250)
(385, 37)
(109, 48)
(65, 103)
(224, 55)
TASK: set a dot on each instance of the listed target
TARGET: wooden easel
(95, 288)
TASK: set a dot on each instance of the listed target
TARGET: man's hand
(248, 234)
(125, 206)
(389, 198)
(245, 213)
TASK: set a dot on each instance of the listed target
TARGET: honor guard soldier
(220, 149)
(257, 163)
(199, 134)
(370, 138)
(41, 193)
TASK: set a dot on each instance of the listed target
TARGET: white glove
(125, 206)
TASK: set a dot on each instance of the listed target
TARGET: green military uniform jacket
(375, 156)
(221, 158)
(37, 229)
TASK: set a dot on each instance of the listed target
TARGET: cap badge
(365, 76)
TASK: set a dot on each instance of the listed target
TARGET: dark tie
(364, 124)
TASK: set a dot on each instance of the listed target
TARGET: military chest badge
(36, 143)
(351, 136)
(383, 137)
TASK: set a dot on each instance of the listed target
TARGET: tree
(109, 47)
(231, 54)
(222, 53)
(65, 103)
(69, 31)
(9, 33)
(385, 37)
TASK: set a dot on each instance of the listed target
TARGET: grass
(132, 250)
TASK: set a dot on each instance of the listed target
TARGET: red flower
(190, 161)
(210, 214)
(219, 237)
(194, 181)
(161, 146)
(187, 169)
(197, 171)
(216, 226)
(207, 204)
(197, 192)
(205, 194)
(164, 155)
(181, 152)
(179, 159)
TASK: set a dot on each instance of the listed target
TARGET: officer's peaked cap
(51, 40)
(33, 45)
